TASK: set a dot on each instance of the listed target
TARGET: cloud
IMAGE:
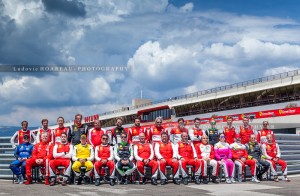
(72, 8)
(170, 51)
(282, 69)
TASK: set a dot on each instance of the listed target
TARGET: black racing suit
(213, 135)
(254, 151)
(75, 133)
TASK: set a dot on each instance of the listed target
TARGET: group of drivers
(90, 151)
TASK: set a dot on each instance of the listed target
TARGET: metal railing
(213, 90)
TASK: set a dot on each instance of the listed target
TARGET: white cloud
(282, 69)
(170, 51)
(188, 7)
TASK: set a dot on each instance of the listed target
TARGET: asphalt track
(266, 188)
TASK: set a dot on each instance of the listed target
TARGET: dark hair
(104, 135)
(61, 118)
(123, 133)
(24, 121)
(139, 118)
(119, 118)
(197, 119)
(180, 119)
(78, 115)
(44, 119)
(64, 133)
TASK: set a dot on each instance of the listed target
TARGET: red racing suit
(195, 135)
(144, 151)
(57, 133)
(229, 133)
(262, 136)
(154, 134)
(62, 153)
(167, 152)
(175, 134)
(188, 156)
(133, 134)
(50, 135)
(245, 133)
(271, 151)
(94, 136)
(40, 151)
(239, 151)
(104, 156)
(18, 137)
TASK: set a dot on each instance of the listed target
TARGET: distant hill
(10, 130)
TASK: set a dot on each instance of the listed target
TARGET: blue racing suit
(22, 152)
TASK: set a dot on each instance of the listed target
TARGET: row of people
(178, 156)
(153, 133)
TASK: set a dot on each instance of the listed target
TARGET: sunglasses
(105, 138)
(158, 122)
(123, 137)
(222, 136)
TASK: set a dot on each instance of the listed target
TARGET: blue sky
(170, 48)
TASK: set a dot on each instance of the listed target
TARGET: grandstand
(275, 98)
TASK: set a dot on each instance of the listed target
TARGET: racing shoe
(176, 181)
(47, 181)
(20, 179)
(144, 179)
(276, 179)
(197, 180)
(228, 181)
(259, 177)
(240, 178)
(214, 180)
(28, 181)
(97, 182)
(52, 182)
(185, 181)
(79, 182)
(205, 181)
(86, 180)
(254, 179)
(163, 181)
(232, 180)
(153, 181)
(64, 182)
(286, 179)
(112, 182)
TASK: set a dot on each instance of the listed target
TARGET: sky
(169, 48)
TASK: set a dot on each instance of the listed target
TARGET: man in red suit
(187, 156)
(60, 129)
(144, 154)
(133, 132)
(62, 153)
(45, 129)
(175, 133)
(245, 131)
(104, 156)
(262, 134)
(166, 155)
(95, 134)
(39, 158)
(229, 131)
(154, 134)
(271, 151)
(196, 132)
